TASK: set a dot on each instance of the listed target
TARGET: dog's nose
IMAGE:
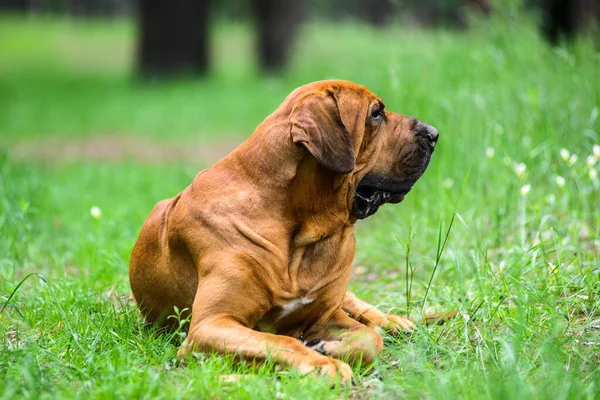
(427, 132)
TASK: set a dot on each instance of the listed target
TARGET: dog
(259, 247)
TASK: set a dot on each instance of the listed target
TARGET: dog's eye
(377, 115)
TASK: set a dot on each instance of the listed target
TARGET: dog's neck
(303, 191)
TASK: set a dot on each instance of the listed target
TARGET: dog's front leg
(223, 334)
(223, 312)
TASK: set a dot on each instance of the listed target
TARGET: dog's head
(347, 130)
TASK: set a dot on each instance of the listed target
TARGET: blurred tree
(563, 19)
(378, 12)
(173, 37)
(13, 5)
(96, 8)
(277, 23)
(73, 8)
(481, 6)
(447, 12)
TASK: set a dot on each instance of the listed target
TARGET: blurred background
(89, 67)
(118, 103)
(108, 106)
(174, 38)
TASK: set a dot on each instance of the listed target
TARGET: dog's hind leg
(369, 315)
(392, 324)
(345, 338)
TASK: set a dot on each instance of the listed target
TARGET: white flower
(572, 160)
(489, 153)
(479, 101)
(596, 149)
(551, 199)
(498, 129)
(593, 174)
(564, 154)
(448, 183)
(525, 190)
(520, 170)
(96, 212)
(560, 181)
(590, 161)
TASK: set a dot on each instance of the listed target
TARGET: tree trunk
(278, 22)
(173, 38)
(564, 19)
(378, 12)
(13, 5)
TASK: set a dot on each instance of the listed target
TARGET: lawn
(503, 226)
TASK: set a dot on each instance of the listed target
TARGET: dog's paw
(396, 325)
(338, 370)
(330, 368)
(185, 352)
(317, 345)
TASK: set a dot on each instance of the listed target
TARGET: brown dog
(259, 247)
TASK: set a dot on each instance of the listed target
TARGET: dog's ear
(316, 123)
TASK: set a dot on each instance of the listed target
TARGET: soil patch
(113, 148)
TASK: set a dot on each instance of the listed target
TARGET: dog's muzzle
(374, 191)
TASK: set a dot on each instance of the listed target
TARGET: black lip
(392, 185)
(372, 192)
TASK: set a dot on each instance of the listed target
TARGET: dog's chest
(318, 275)
(293, 314)
(294, 305)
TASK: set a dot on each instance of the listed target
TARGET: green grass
(523, 270)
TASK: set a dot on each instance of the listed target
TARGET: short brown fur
(270, 226)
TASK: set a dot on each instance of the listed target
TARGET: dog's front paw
(334, 370)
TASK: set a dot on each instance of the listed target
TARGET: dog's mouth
(372, 192)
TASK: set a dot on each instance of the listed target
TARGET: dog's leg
(345, 338)
(369, 315)
(225, 335)
(393, 324)
(227, 305)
